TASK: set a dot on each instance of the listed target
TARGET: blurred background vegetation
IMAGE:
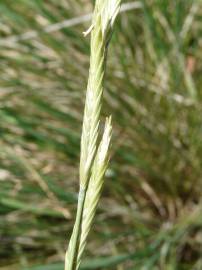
(150, 215)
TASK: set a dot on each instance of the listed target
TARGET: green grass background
(150, 214)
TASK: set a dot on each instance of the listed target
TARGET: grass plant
(94, 158)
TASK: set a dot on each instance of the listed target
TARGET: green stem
(72, 252)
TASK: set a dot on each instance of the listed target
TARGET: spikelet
(101, 30)
(95, 186)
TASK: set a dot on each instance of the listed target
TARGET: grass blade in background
(154, 181)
